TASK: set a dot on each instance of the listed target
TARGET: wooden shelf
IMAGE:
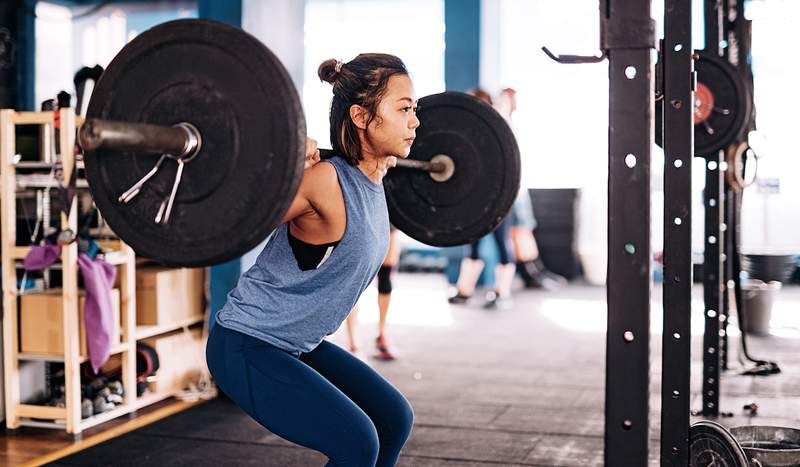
(116, 257)
(119, 348)
(39, 118)
(149, 398)
(33, 118)
(106, 416)
(55, 424)
(144, 332)
(32, 357)
(42, 411)
(20, 252)
(45, 412)
(44, 180)
(35, 165)
(13, 174)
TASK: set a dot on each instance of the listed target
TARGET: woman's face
(392, 131)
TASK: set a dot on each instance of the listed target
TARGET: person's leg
(389, 411)
(558, 279)
(524, 243)
(505, 277)
(505, 266)
(384, 299)
(504, 271)
(352, 322)
(291, 399)
(526, 249)
(470, 271)
(385, 293)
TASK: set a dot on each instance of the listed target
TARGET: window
(413, 30)
(70, 38)
(562, 117)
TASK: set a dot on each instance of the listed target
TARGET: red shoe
(383, 349)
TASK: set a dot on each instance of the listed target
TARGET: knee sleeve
(473, 250)
(385, 280)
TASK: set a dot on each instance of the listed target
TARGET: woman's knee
(405, 417)
(400, 417)
(214, 355)
(371, 445)
(359, 444)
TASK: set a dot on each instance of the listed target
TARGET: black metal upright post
(736, 30)
(727, 267)
(629, 40)
(712, 283)
(712, 265)
(678, 138)
(731, 52)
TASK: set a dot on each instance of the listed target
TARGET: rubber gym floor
(520, 386)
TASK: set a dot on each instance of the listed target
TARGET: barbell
(194, 145)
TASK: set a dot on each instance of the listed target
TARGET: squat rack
(627, 37)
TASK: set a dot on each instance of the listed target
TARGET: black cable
(761, 367)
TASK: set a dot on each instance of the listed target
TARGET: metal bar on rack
(629, 38)
(678, 140)
(712, 266)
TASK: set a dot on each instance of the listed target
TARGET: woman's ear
(359, 116)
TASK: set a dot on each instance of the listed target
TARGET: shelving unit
(117, 253)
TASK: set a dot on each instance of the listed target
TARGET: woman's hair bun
(327, 71)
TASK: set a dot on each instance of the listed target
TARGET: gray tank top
(294, 310)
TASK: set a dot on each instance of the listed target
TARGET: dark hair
(361, 81)
(481, 94)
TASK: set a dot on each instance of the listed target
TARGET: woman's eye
(406, 109)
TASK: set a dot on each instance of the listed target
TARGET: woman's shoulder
(322, 179)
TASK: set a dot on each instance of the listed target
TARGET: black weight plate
(242, 100)
(731, 105)
(729, 114)
(710, 444)
(485, 182)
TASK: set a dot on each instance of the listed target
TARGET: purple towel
(40, 257)
(98, 279)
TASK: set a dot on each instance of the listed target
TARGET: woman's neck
(373, 165)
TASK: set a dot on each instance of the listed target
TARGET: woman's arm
(316, 184)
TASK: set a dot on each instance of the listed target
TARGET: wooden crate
(167, 295)
(181, 357)
(42, 324)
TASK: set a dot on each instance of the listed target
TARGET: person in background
(384, 298)
(529, 265)
(472, 266)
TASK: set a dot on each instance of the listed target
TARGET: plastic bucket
(769, 446)
(757, 298)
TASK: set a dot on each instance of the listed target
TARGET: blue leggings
(327, 399)
(500, 236)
